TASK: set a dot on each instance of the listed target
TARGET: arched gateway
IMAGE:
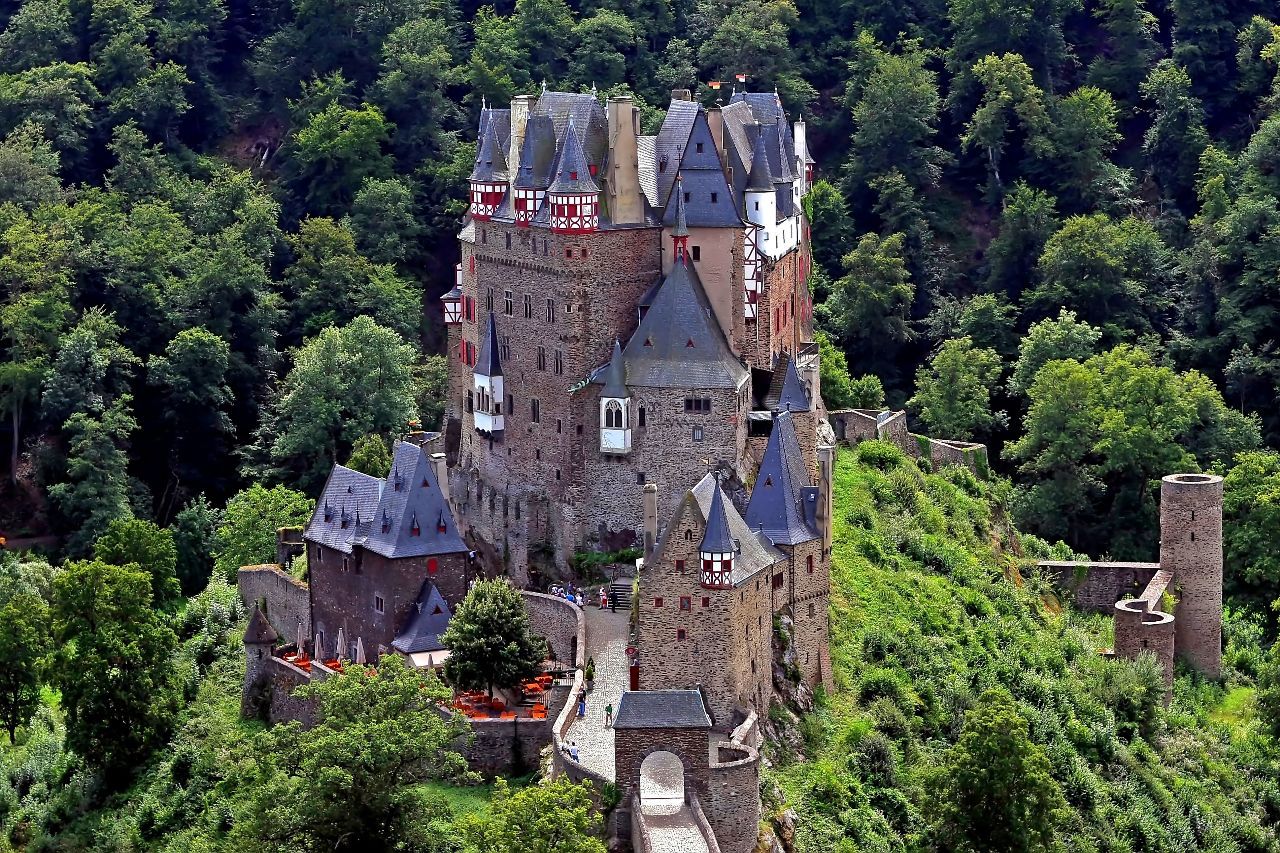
(660, 745)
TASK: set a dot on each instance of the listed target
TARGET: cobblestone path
(607, 643)
(673, 829)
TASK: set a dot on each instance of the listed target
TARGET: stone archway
(661, 783)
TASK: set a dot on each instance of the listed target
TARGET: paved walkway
(607, 643)
(673, 830)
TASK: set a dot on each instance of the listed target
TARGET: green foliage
(489, 641)
(555, 817)
(147, 547)
(869, 310)
(369, 455)
(24, 640)
(1250, 523)
(96, 490)
(1049, 340)
(351, 781)
(246, 534)
(113, 665)
(953, 394)
(193, 536)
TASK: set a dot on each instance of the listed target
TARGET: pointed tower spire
(490, 361)
(680, 231)
(615, 382)
(487, 383)
(760, 178)
(718, 547)
(489, 177)
(574, 195)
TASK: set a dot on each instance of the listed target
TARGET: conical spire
(717, 539)
(760, 179)
(259, 629)
(681, 228)
(573, 175)
(794, 397)
(491, 162)
(489, 363)
(615, 378)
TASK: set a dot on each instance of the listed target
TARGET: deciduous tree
(489, 641)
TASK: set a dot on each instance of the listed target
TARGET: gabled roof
(488, 362)
(776, 507)
(794, 396)
(586, 113)
(669, 146)
(491, 159)
(537, 153)
(709, 202)
(679, 343)
(573, 175)
(662, 709)
(426, 623)
(615, 376)
(716, 538)
(357, 510)
(259, 629)
(754, 551)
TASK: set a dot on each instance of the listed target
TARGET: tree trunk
(17, 438)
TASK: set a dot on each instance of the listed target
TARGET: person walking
(582, 704)
(573, 750)
(608, 716)
(604, 598)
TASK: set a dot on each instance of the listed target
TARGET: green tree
(498, 67)
(24, 641)
(345, 383)
(996, 791)
(369, 455)
(337, 150)
(353, 781)
(113, 663)
(432, 378)
(1011, 101)
(382, 220)
(90, 370)
(1251, 526)
(416, 68)
(1131, 49)
(56, 98)
(953, 393)
(145, 546)
(96, 490)
(1082, 136)
(869, 309)
(989, 321)
(830, 225)
(896, 121)
(1268, 691)
(489, 641)
(193, 531)
(543, 31)
(1049, 340)
(557, 817)
(1177, 137)
(602, 44)
(38, 34)
(1029, 219)
(246, 534)
(29, 169)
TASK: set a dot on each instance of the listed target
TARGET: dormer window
(386, 522)
(441, 527)
(414, 529)
(573, 174)
(328, 512)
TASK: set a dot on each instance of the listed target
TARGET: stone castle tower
(629, 310)
(1191, 548)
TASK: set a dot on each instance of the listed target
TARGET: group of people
(569, 594)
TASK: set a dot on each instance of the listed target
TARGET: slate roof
(572, 172)
(259, 629)
(670, 144)
(754, 551)
(679, 343)
(761, 177)
(586, 113)
(662, 709)
(680, 223)
(647, 155)
(491, 159)
(776, 507)
(709, 201)
(716, 538)
(615, 376)
(794, 396)
(488, 361)
(357, 510)
(425, 625)
(537, 153)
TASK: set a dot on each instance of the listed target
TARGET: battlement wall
(561, 623)
(285, 600)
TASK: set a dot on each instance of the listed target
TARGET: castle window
(557, 473)
(657, 602)
(568, 253)
(511, 403)
(706, 601)
(697, 146)
(640, 480)
(697, 250)
(777, 581)
(537, 454)
(686, 603)
(535, 415)
(809, 563)
(517, 510)
(346, 564)
(484, 235)
(640, 417)
(551, 310)
(679, 565)
(433, 565)
(378, 604)
(810, 608)
(680, 634)
(470, 406)
(508, 241)
(686, 198)
(757, 205)
(700, 405)
(528, 307)
(319, 554)
(559, 426)
(753, 666)
(715, 197)
(488, 299)
(613, 415)
(506, 302)
(505, 346)
(697, 433)
(542, 358)
(558, 363)
(688, 536)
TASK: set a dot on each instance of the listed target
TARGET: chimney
(715, 122)
(650, 520)
(800, 137)
(622, 184)
(826, 471)
(442, 474)
(681, 95)
(520, 107)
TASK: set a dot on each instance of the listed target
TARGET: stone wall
(733, 798)
(1191, 548)
(704, 825)
(507, 747)
(285, 600)
(561, 623)
(1139, 629)
(1098, 586)
(282, 679)
(968, 454)
(633, 746)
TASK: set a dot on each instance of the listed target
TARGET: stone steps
(622, 591)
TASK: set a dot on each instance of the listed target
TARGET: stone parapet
(704, 826)
(285, 600)
(1098, 586)
(1139, 629)
(561, 623)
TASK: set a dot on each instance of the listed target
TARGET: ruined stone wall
(1139, 629)
(732, 804)
(286, 601)
(967, 454)
(561, 623)
(345, 589)
(727, 648)
(1098, 586)
(1191, 548)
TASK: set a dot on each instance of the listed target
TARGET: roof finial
(544, 85)
(593, 88)
(484, 103)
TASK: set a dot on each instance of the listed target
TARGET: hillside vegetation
(934, 605)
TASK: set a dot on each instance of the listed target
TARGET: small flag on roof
(741, 78)
(715, 84)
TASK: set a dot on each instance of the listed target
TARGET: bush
(880, 454)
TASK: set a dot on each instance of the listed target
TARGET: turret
(804, 163)
(760, 195)
(680, 231)
(489, 177)
(718, 548)
(487, 381)
(452, 302)
(573, 195)
(533, 176)
(615, 407)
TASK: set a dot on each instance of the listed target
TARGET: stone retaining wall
(704, 826)
(1098, 586)
(286, 600)
(733, 790)
(507, 747)
(561, 623)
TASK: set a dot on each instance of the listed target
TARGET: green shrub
(881, 455)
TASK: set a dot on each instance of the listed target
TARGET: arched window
(613, 415)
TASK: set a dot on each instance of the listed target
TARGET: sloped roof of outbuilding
(426, 623)
(776, 507)
(662, 709)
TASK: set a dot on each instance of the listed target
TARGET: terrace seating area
(527, 701)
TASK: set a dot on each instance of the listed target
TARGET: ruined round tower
(1191, 548)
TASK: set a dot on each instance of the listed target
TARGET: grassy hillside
(933, 603)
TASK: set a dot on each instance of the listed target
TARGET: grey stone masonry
(1191, 548)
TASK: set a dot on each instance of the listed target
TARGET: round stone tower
(1191, 548)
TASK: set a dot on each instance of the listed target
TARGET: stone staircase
(621, 590)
